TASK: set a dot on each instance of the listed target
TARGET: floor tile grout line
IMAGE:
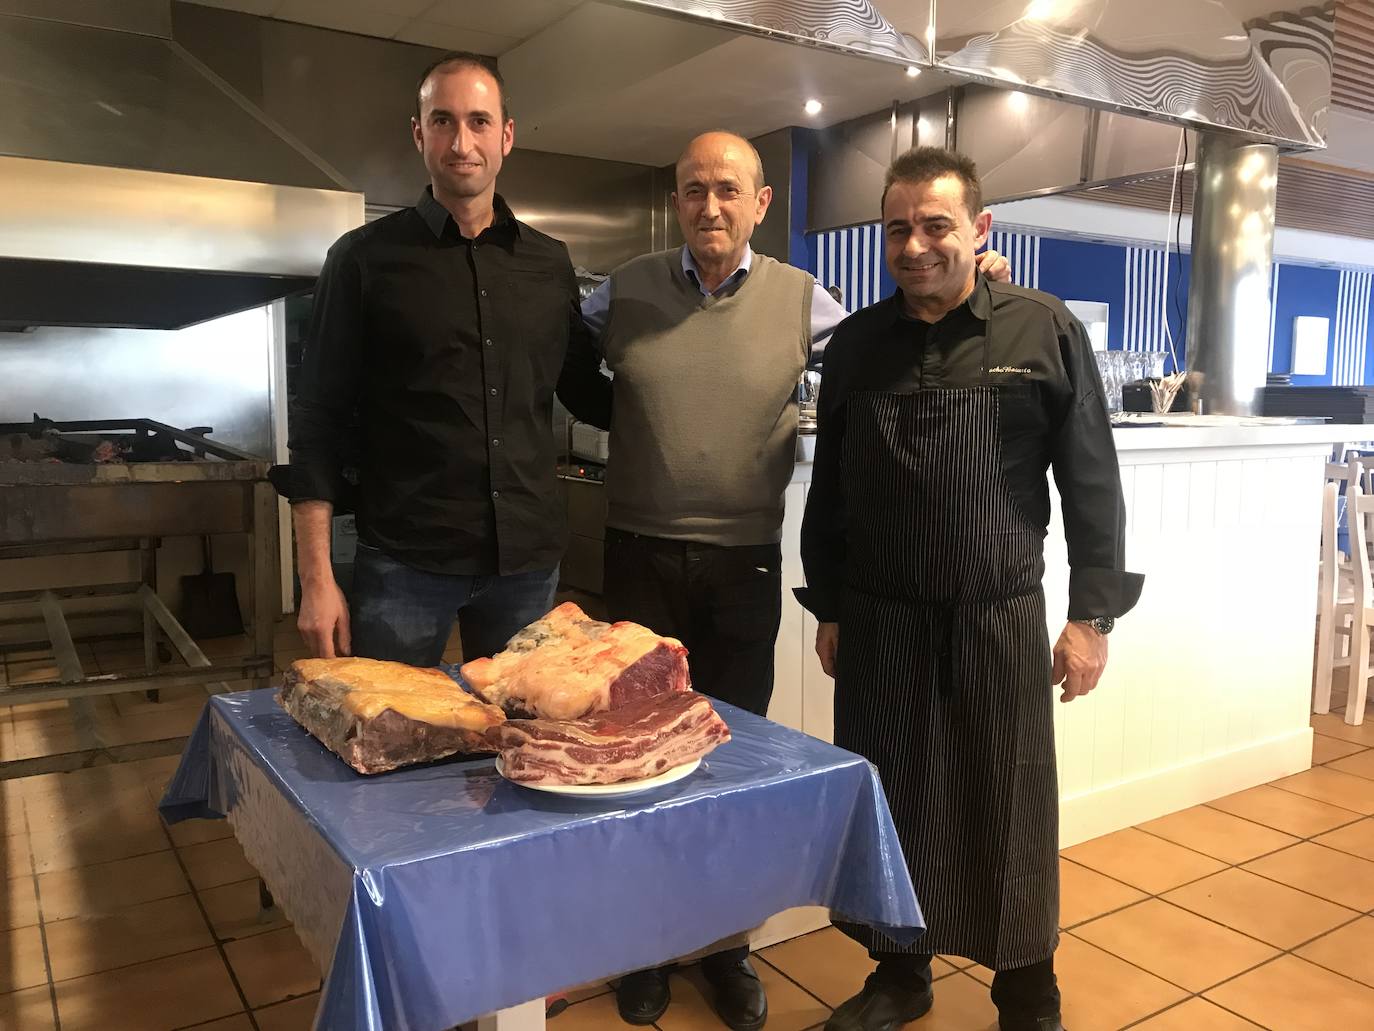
(1308, 941)
(1085, 866)
(1293, 953)
(1185, 909)
(1279, 954)
(1348, 773)
(1310, 894)
(1172, 1006)
(786, 976)
(1131, 962)
(1282, 951)
(1278, 784)
(1209, 805)
(1201, 996)
(209, 927)
(1345, 740)
(1228, 862)
(1357, 816)
(1181, 884)
(1108, 912)
(212, 1020)
(1136, 827)
(42, 928)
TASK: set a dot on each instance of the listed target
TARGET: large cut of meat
(640, 739)
(566, 665)
(377, 716)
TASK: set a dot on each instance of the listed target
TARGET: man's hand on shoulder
(994, 266)
(1080, 656)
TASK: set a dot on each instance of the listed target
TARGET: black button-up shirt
(1031, 348)
(431, 366)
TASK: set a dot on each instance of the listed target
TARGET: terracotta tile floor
(1255, 911)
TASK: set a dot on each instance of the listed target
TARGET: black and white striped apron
(943, 678)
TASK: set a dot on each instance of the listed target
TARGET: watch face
(1104, 624)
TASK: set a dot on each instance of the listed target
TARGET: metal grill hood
(136, 188)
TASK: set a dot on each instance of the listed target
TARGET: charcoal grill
(189, 485)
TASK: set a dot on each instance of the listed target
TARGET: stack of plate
(1339, 404)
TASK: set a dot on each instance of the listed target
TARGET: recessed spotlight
(1018, 101)
(912, 71)
(812, 106)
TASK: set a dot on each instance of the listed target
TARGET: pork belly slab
(377, 715)
(567, 665)
(642, 738)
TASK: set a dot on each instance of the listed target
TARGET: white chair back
(1359, 509)
(1328, 626)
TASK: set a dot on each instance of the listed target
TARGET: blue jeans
(405, 614)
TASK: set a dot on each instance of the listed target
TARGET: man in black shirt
(442, 330)
(940, 410)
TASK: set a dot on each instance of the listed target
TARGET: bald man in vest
(706, 344)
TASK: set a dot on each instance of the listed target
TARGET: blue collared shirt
(826, 312)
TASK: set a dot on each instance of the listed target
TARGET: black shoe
(880, 1007)
(642, 997)
(1054, 1023)
(739, 997)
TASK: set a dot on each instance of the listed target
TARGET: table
(435, 894)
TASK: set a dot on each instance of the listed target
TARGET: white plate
(617, 790)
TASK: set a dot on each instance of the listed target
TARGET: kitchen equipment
(590, 443)
(1137, 397)
(210, 600)
(808, 390)
(1119, 368)
(195, 487)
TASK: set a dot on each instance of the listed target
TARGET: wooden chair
(1346, 607)
(1328, 598)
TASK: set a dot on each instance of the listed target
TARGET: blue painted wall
(1302, 291)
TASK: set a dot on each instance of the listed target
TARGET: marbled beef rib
(377, 716)
(566, 665)
(642, 738)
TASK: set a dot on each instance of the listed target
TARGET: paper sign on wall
(1093, 315)
(1311, 333)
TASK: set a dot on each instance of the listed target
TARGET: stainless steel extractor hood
(136, 188)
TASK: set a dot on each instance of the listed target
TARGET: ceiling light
(812, 106)
(912, 71)
(1038, 9)
(1018, 101)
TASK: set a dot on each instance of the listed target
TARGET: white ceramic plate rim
(624, 787)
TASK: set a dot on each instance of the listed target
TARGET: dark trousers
(404, 614)
(724, 604)
(1020, 994)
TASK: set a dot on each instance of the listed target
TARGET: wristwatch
(1102, 624)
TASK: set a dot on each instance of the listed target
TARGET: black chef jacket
(1052, 414)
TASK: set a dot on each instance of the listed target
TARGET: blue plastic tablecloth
(438, 893)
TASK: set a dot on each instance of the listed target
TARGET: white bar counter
(1207, 689)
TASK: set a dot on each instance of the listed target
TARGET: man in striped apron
(940, 410)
